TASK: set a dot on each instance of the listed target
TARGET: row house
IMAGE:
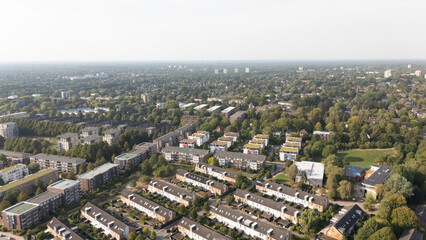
(216, 172)
(194, 230)
(212, 186)
(240, 160)
(134, 157)
(99, 176)
(61, 231)
(191, 155)
(290, 194)
(147, 207)
(149, 147)
(171, 191)
(108, 224)
(276, 209)
(13, 173)
(60, 163)
(248, 224)
(201, 137)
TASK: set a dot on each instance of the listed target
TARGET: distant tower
(409, 66)
(300, 68)
(216, 71)
(225, 71)
(247, 70)
(65, 94)
(146, 97)
(235, 70)
(418, 73)
(388, 73)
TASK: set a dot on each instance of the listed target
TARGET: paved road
(162, 233)
(8, 234)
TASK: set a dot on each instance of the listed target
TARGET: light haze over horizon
(205, 30)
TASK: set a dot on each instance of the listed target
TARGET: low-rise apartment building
(187, 143)
(212, 186)
(194, 230)
(47, 202)
(171, 191)
(111, 135)
(67, 141)
(290, 194)
(228, 111)
(16, 157)
(148, 207)
(293, 139)
(344, 222)
(90, 139)
(169, 139)
(60, 163)
(149, 147)
(234, 135)
(261, 142)
(13, 173)
(314, 172)
(229, 140)
(376, 175)
(89, 131)
(9, 130)
(240, 160)
(252, 149)
(288, 153)
(293, 145)
(276, 209)
(21, 216)
(108, 224)
(61, 231)
(238, 116)
(217, 146)
(70, 190)
(248, 224)
(134, 157)
(214, 109)
(217, 172)
(26, 184)
(262, 137)
(99, 176)
(201, 137)
(186, 130)
(191, 155)
(324, 135)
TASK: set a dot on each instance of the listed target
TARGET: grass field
(281, 178)
(364, 157)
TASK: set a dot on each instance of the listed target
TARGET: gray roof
(146, 203)
(226, 172)
(58, 158)
(252, 222)
(112, 131)
(379, 176)
(14, 154)
(172, 189)
(193, 151)
(237, 114)
(101, 169)
(421, 212)
(242, 156)
(146, 144)
(68, 135)
(42, 197)
(105, 218)
(292, 191)
(200, 179)
(89, 129)
(353, 171)
(411, 234)
(166, 136)
(63, 184)
(61, 228)
(201, 230)
(91, 137)
(266, 202)
(350, 216)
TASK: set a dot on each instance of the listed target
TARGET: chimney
(131, 196)
(97, 215)
(279, 189)
(254, 225)
(240, 219)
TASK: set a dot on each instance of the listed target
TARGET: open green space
(280, 178)
(364, 157)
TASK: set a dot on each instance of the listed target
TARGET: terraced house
(276, 209)
(344, 222)
(194, 230)
(212, 186)
(61, 231)
(108, 224)
(148, 207)
(248, 224)
(217, 172)
(290, 194)
(171, 191)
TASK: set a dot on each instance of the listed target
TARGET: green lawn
(281, 178)
(364, 157)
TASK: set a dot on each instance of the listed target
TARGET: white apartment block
(13, 173)
(201, 137)
(9, 130)
(111, 135)
(67, 141)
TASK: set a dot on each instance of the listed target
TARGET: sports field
(364, 157)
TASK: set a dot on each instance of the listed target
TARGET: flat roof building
(134, 157)
(191, 155)
(240, 160)
(149, 147)
(60, 163)
(13, 173)
(16, 157)
(70, 189)
(67, 141)
(111, 135)
(26, 184)
(314, 172)
(99, 176)
(9, 130)
(238, 116)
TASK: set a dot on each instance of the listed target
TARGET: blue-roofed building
(355, 172)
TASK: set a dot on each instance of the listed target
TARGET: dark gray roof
(14, 154)
(172, 189)
(353, 171)
(42, 197)
(91, 137)
(89, 129)
(379, 176)
(58, 158)
(226, 172)
(236, 155)
(146, 144)
(112, 131)
(166, 136)
(200, 230)
(193, 151)
(421, 212)
(266, 202)
(292, 191)
(200, 179)
(411, 234)
(68, 135)
(349, 217)
(105, 218)
(62, 229)
(250, 221)
(146, 203)
(237, 114)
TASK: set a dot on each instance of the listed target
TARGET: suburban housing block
(13, 173)
(191, 155)
(99, 176)
(344, 222)
(217, 172)
(197, 231)
(171, 191)
(212, 186)
(61, 163)
(61, 231)
(240, 160)
(134, 157)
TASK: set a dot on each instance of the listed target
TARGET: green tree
(206, 206)
(213, 161)
(153, 235)
(345, 189)
(39, 183)
(399, 184)
(33, 168)
(404, 218)
(193, 214)
(4, 204)
(388, 204)
(385, 233)
(303, 177)
(196, 203)
(291, 172)
(41, 235)
(22, 197)
(310, 219)
(181, 210)
(38, 191)
(229, 199)
(131, 236)
(368, 228)
(1, 181)
(329, 150)
(369, 201)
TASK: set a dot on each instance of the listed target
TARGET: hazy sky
(131, 30)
